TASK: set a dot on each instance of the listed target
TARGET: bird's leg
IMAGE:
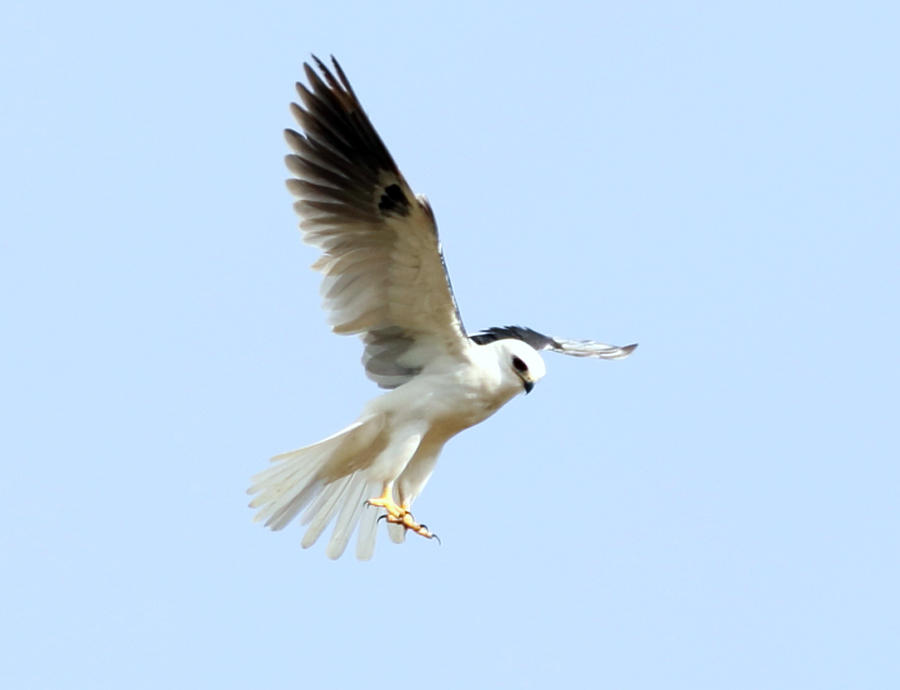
(394, 512)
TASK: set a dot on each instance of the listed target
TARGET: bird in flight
(384, 279)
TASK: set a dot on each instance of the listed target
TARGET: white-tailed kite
(385, 280)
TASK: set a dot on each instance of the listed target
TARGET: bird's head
(521, 363)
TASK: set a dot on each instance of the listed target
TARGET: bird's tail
(327, 479)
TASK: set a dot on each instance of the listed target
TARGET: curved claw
(381, 517)
(430, 535)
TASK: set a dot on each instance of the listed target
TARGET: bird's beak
(528, 385)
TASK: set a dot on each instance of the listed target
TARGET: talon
(399, 515)
(428, 535)
(422, 530)
(390, 518)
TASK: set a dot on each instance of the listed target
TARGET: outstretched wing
(384, 273)
(539, 341)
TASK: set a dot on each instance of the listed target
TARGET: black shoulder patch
(394, 201)
(538, 341)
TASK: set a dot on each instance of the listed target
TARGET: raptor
(385, 280)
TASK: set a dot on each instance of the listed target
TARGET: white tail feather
(397, 533)
(368, 529)
(325, 478)
(322, 511)
(348, 517)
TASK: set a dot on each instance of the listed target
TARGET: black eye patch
(519, 364)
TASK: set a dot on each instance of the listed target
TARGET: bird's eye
(519, 364)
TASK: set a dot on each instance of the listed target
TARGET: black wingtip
(342, 77)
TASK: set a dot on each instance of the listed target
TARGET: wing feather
(384, 272)
(539, 341)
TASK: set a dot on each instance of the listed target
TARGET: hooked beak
(528, 385)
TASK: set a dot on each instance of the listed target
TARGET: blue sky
(718, 183)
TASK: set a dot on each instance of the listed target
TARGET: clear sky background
(718, 183)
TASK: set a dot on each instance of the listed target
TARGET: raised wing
(539, 341)
(384, 273)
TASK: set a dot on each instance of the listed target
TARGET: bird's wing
(539, 341)
(384, 273)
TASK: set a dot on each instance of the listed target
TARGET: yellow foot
(409, 523)
(394, 512)
(400, 515)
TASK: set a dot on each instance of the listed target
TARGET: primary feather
(384, 276)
